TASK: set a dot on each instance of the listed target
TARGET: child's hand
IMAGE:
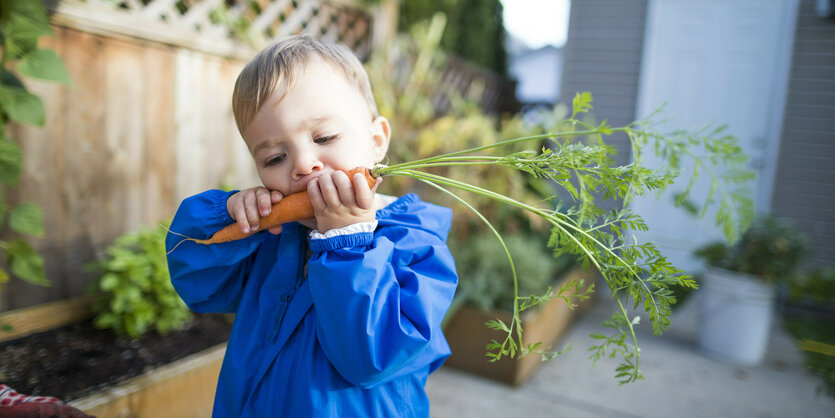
(247, 206)
(337, 203)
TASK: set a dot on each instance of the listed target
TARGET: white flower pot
(736, 315)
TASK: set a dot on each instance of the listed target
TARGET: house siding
(603, 56)
(804, 187)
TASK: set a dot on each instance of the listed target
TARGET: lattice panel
(280, 18)
(258, 20)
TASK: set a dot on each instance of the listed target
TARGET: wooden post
(385, 17)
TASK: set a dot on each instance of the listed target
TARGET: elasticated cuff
(341, 241)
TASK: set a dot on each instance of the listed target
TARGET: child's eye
(274, 160)
(325, 139)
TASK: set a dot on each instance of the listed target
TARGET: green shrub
(476, 28)
(770, 249)
(137, 293)
(817, 286)
(406, 74)
(484, 272)
(816, 332)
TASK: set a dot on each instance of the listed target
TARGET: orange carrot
(291, 208)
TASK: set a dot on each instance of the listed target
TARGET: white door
(720, 62)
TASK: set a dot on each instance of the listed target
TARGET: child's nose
(306, 163)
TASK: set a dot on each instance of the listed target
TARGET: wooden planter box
(468, 336)
(184, 388)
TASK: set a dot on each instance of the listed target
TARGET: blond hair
(281, 63)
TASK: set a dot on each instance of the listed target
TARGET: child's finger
(315, 195)
(264, 200)
(238, 213)
(344, 189)
(251, 209)
(329, 193)
(276, 197)
(363, 195)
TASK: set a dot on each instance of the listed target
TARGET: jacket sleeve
(380, 299)
(209, 278)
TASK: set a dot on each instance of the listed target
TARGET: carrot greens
(576, 160)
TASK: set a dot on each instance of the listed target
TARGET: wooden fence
(148, 120)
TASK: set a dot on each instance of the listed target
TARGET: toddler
(337, 315)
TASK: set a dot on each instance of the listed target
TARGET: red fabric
(16, 405)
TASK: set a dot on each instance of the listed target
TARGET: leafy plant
(770, 249)
(22, 22)
(816, 337)
(138, 295)
(817, 285)
(502, 176)
(482, 263)
(636, 273)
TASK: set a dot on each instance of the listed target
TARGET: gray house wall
(603, 56)
(804, 186)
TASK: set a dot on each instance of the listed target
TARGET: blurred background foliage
(405, 74)
(475, 31)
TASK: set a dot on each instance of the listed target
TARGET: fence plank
(81, 184)
(189, 92)
(125, 91)
(242, 168)
(160, 170)
(215, 107)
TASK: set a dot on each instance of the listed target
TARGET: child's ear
(380, 136)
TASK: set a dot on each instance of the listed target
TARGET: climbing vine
(22, 23)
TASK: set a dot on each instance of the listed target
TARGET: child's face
(321, 125)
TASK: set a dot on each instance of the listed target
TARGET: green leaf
(26, 22)
(27, 19)
(11, 160)
(27, 219)
(497, 324)
(109, 282)
(106, 320)
(44, 64)
(604, 128)
(25, 263)
(10, 81)
(23, 106)
(581, 103)
(5, 10)
(2, 207)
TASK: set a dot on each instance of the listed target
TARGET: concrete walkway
(679, 380)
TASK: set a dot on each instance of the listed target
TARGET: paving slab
(679, 380)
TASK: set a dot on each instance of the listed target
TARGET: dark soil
(77, 360)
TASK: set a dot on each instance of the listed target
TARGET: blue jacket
(354, 333)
